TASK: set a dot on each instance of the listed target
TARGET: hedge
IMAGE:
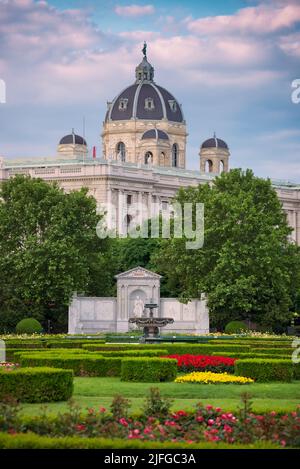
(264, 370)
(71, 343)
(273, 351)
(28, 344)
(203, 349)
(117, 347)
(12, 354)
(36, 384)
(82, 365)
(135, 353)
(33, 441)
(148, 370)
(251, 355)
(257, 344)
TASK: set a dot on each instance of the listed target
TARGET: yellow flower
(208, 377)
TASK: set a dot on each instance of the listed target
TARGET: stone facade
(88, 315)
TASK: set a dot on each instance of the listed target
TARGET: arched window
(121, 151)
(162, 159)
(148, 157)
(175, 155)
(221, 166)
(208, 166)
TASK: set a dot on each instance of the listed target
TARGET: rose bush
(206, 423)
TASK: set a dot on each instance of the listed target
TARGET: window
(148, 157)
(208, 166)
(175, 155)
(128, 220)
(173, 105)
(221, 166)
(162, 159)
(149, 104)
(129, 199)
(123, 104)
(121, 151)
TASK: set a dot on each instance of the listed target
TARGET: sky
(229, 63)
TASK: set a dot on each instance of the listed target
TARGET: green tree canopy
(247, 267)
(48, 244)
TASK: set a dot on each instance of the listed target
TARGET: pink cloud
(134, 10)
(261, 19)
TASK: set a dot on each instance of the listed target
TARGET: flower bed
(216, 364)
(205, 424)
(208, 377)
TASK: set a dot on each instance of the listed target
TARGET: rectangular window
(129, 199)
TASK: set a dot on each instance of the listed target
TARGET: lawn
(96, 392)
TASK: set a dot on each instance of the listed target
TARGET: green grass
(97, 392)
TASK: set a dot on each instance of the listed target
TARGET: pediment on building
(138, 272)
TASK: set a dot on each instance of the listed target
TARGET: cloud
(134, 10)
(262, 19)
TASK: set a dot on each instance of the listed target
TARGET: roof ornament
(144, 50)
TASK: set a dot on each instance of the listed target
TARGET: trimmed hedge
(235, 327)
(12, 353)
(82, 365)
(135, 353)
(71, 343)
(264, 370)
(148, 370)
(36, 384)
(29, 326)
(117, 347)
(25, 344)
(273, 351)
(203, 349)
(251, 355)
(33, 441)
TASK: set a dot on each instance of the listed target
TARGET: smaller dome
(155, 133)
(72, 139)
(214, 142)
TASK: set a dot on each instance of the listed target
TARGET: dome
(144, 99)
(155, 133)
(72, 139)
(214, 142)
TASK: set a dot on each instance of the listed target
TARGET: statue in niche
(138, 308)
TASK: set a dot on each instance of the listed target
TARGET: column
(120, 211)
(109, 208)
(140, 208)
(149, 205)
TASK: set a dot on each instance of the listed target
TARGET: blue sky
(230, 63)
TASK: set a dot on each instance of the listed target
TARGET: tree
(247, 267)
(48, 243)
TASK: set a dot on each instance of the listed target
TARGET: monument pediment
(138, 272)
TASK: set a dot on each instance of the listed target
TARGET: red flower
(80, 427)
(210, 422)
(123, 422)
(102, 410)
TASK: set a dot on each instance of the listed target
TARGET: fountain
(150, 324)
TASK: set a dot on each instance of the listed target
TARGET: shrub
(251, 355)
(264, 370)
(203, 349)
(82, 365)
(235, 327)
(273, 351)
(36, 384)
(156, 405)
(29, 326)
(148, 369)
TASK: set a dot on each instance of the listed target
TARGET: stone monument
(135, 288)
